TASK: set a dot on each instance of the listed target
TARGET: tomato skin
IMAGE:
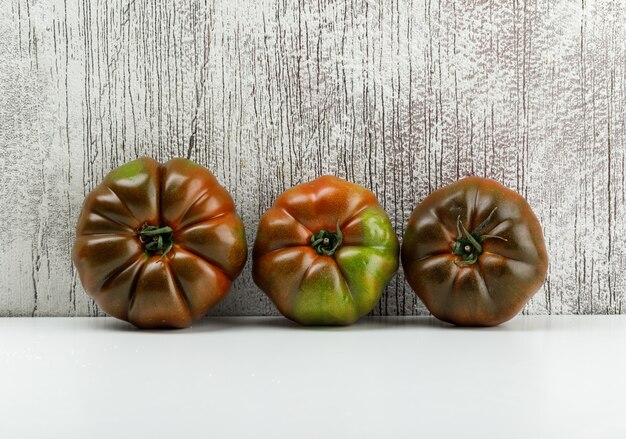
(506, 274)
(318, 289)
(157, 290)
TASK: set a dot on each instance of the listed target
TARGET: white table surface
(533, 377)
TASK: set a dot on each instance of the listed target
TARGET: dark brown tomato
(474, 253)
(158, 245)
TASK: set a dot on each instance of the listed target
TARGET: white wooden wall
(402, 96)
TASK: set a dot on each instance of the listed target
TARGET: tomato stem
(469, 245)
(156, 239)
(325, 242)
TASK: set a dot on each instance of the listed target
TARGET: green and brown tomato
(159, 245)
(324, 252)
(474, 252)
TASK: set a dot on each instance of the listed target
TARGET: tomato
(324, 252)
(158, 245)
(474, 252)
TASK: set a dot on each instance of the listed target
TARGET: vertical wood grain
(401, 96)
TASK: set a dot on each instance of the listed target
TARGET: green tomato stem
(325, 242)
(156, 239)
(469, 245)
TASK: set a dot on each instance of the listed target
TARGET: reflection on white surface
(551, 377)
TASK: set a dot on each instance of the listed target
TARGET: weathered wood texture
(402, 96)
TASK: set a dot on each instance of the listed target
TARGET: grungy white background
(401, 96)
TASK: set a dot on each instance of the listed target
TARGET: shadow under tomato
(201, 326)
(368, 323)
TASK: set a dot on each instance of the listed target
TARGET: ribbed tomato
(324, 252)
(158, 245)
(474, 252)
